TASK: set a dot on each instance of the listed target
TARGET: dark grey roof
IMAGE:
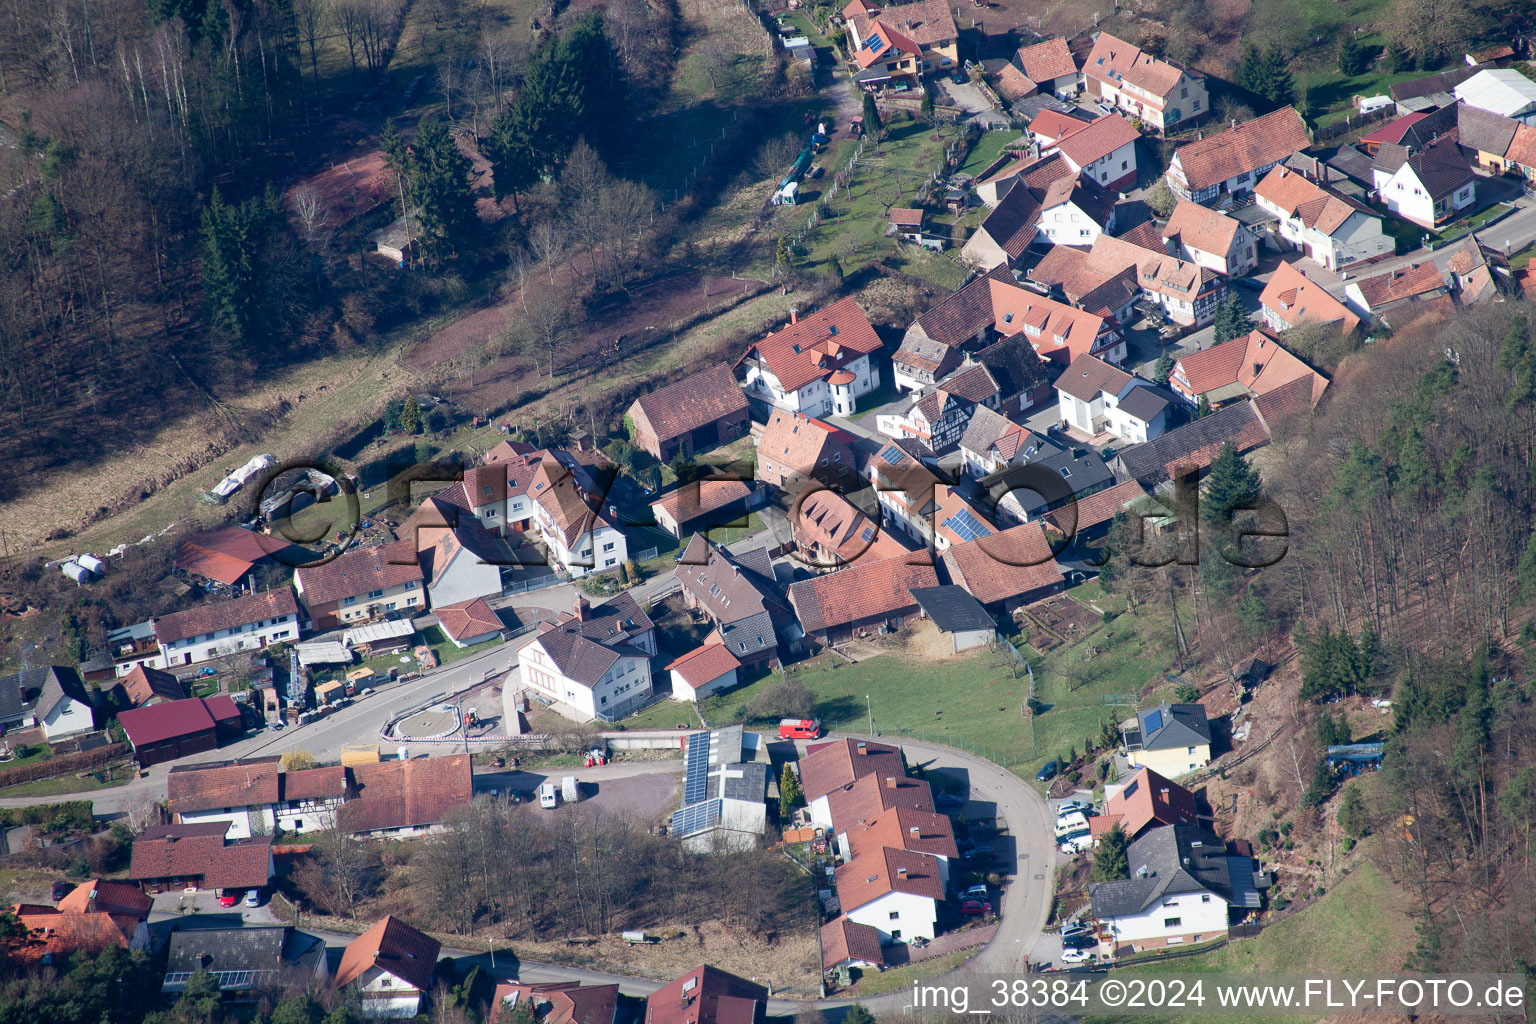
(227, 949)
(1165, 862)
(618, 620)
(1014, 365)
(1030, 107)
(1145, 403)
(1197, 440)
(747, 781)
(1353, 164)
(952, 609)
(1441, 168)
(58, 683)
(1085, 469)
(1173, 725)
(1445, 81)
(984, 427)
(737, 592)
(1483, 129)
(14, 690)
(1085, 474)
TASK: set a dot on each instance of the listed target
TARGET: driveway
(966, 96)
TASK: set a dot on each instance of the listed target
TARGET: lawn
(987, 149)
(665, 714)
(1363, 915)
(64, 784)
(973, 701)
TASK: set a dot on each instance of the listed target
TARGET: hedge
(64, 764)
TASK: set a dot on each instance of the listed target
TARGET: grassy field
(972, 700)
(1361, 923)
(70, 784)
(987, 149)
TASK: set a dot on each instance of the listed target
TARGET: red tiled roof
(1097, 139)
(1295, 298)
(1149, 798)
(1054, 124)
(216, 784)
(797, 442)
(214, 615)
(1256, 360)
(864, 590)
(358, 571)
(394, 946)
(57, 933)
(831, 766)
(144, 684)
(926, 22)
(314, 783)
(707, 995)
(200, 851)
(407, 794)
(161, 722)
(1098, 507)
(843, 941)
(1319, 208)
(1012, 83)
(883, 871)
(1046, 61)
(226, 555)
(904, 217)
(825, 519)
(1006, 565)
(870, 794)
(1247, 147)
(704, 664)
(1056, 331)
(700, 497)
(1202, 228)
(1403, 283)
(902, 828)
(101, 896)
(1393, 131)
(1522, 148)
(467, 619)
(705, 397)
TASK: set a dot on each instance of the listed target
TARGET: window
(390, 607)
(348, 600)
(1205, 898)
(1124, 164)
(895, 915)
(1172, 922)
(375, 593)
(410, 601)
(1191, 751)
(608, 546)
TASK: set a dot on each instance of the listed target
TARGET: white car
(1072, 845)
(1069, 807)
(1070, 824)
(1076, 956)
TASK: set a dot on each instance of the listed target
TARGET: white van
(1076, 843)
(1074, 822)
(549, 796)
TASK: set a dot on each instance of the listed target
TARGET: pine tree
(925, 108)
(1204, 408)
(1399, 58)
(1230, 484)
(1250, 70)
(1354, 57)
(783, 257)
(790, 795)
(872, 122)
(1163, 370)
(1279, 86)
(512, 165)
(439, 188)
(1322, 784)
(1231, 318)
(225, 247)
(410, 416)
(858, 1014)
(1111, 859)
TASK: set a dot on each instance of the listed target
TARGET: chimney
(890, 780)
(863, 751)
(901, 872)
(583, 608)
(794, 315)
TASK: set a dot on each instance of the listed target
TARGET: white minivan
(549, 795)
(1077, 821)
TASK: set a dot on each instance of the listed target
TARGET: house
(1333, 229)
(143, 686)
(462, 563)
(398, 799)
(391, 965)
(926, 30)
(1053, 476)
(819, 364)
(1147, 801)
(831, 532)
(738, 592)
(954, 611)
(244, 961)
(217, 628)
(310, 798)
(1210, 239)
(846, 943)
(1075, 210)
(831, 767)
(689, 416)
(51, 698)
(1406, 293)
(470, 622)
(94, 916)
(703, 672)
(1181, 889)
(896, 892)
(1026, 167)
(1485, 136)
(1006, 571)
(872, 793)
(1049, 126)
(594, 669)
(1245, 367)
(1097, 398)
(914, 503)
(239, 794)
(231, 554)
(707, 995)
(1103, 150)
(1008, 81)
(1237, 158)
(1190, 448)
(911, 225)
(1478, 273)
(1020, 383)
(1426, 187)
(1065, 273)
(900, 828)
(1007, 232)
(1520, 158)
(1187, 292)
(1490, 55)
(934, 421)
(99, 896)
(725, 792)
(170, 857)
(703, 505)
(1159, 93)
(1502, 91)
(1415, 131)
(558, 1002)
(1050, 68)
(795, 449)
(497, 493)
(860, 598)
(361, 584)
(397, 242)
(165, 732)
(1172, 739)
(1045, 203)
(991, 442)
(577, 534)
(1092, 514)
(1430, 92)
(1292, 298)
(1057, 331)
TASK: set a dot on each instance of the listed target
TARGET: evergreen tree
(1230, 484)
(438, 186)
(858, 1014)
(1111, 859)
(790, 794)
(512, 160)
(1163, 370)
(925, 108)
(410, 416)
(1231, 318)
(1279, 86)
(783, 257)
(225, 247)
(1399, 58)
(1353, 817)
(1322, 785)
(1250, 70)
(872, 122)
(1204, 408)
(1354, 56)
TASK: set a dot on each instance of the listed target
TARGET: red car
(975, 908)
(229, 897)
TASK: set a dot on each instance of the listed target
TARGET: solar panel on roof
(698, 818)
(868, 534)
(893, 455)
(696, 769)
(1154, 721)
(967, 526)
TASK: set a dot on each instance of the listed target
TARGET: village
(898, 594)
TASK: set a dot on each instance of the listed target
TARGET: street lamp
(871, 709)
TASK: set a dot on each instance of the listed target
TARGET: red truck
(799, 728)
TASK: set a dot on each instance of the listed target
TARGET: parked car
(1075, 844)
(229, 897)
(975, 892)
(1082, 939)
(1070, 807)
(976, 851)
(1071, 824)
(1248, 284)
(253, 898)
(975, 908)
(948, 799)
(1076, 956)
(62, 889)
(799, 728)
(367, 692)
(1048, 772)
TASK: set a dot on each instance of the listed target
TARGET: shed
(1502, 91)
(954, 611)
(397, 242)
(703, 671)
(327, 692)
